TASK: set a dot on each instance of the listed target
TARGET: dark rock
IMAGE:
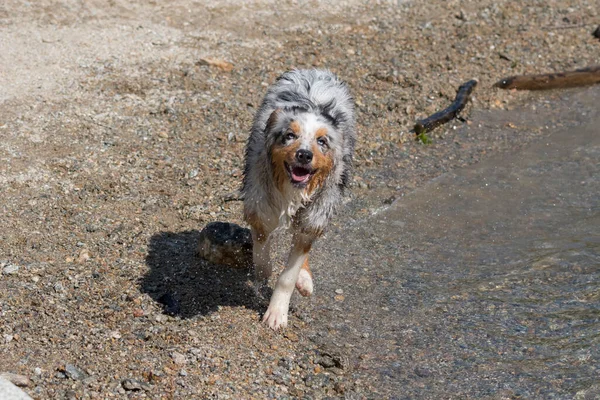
(331, 359)
(226, 244)
(597, 32)
(325, 361)
(134, 385)
(74, 373)
(423, 372)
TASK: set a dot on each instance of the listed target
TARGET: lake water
(484, 283)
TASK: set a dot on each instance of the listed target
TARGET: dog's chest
(284, 207)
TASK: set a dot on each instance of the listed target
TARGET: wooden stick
(560, 80)
(439, 118)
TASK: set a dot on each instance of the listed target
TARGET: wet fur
(307, 104)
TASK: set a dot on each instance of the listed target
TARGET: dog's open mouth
(300, 175)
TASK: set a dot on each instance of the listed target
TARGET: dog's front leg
(277, 314)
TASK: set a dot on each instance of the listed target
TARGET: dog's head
(303, 148)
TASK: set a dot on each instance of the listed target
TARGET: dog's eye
(322, 141)
(289, 135)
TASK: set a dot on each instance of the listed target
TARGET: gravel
(119, 146)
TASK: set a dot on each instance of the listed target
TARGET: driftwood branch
(462, 96)
(559, 80)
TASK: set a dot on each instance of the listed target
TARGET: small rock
(73, 372)
(8, 338)
(16, 379)
(115, 335)
(134, 385)
(339, 291)
(596, 33)
(178, 358)
(70, 395)
(331, 359)
(422, 372)
(183, 372)
(215, 62)
(10, 269)
(138, 312)
(340, 387)
(84, 255)
(58, 287)
(226, 244)
(60, 375)
(325, 361)
(291, 336)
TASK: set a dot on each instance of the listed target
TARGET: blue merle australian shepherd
(298, 164)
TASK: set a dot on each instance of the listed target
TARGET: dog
(297, 168)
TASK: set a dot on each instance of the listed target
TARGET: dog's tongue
(300, 175)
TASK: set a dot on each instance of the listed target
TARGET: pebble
(84, 255)
(115, 335)
(178, 358)
(134, 385)
(16, 379)
(74, 372)
(10, 269)
(423, 372)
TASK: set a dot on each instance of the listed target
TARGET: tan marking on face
(257, 227)
(295, 127)
(281, 154)
(320, 132)
(323, 163)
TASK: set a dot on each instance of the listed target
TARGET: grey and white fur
(298, 165)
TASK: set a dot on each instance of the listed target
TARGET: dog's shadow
(187, 285)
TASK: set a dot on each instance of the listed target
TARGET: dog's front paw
(276, 317)
(304, 284)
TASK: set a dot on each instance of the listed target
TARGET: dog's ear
(272, 120)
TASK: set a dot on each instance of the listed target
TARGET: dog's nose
(304, 156)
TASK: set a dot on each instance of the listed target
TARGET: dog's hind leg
(277, 314)
(304, 284)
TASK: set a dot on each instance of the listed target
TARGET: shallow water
(485, 282)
